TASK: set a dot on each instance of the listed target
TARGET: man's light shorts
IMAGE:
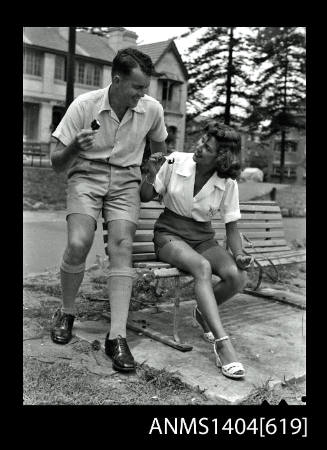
(93, 186)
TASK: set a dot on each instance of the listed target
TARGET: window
(97, 76)
(80, 72)
(30, 120)
(170, 96)
(167, 90)
(32, 63)
(289, 172)
(290, 146)
(60, 68)
(88, 73)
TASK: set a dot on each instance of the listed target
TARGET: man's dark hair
(229, 143)
(129, 58)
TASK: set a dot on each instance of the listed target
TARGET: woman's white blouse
(175, 182)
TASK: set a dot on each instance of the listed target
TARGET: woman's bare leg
(232, 281)
(181, 255)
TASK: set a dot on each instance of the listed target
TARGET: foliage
(279, 92)
(277, 100)
(219, 60)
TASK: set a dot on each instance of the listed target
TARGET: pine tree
(280, 86)
(219, 60)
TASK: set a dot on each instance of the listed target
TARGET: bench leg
(176, 309)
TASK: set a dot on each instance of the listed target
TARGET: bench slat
(154, 213)
(266, 250)
(286, 258)
(144, 247)
(148, 223)
(255, 234)
(299, 255)
(147, 237)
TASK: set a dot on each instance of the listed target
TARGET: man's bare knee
(77, 251)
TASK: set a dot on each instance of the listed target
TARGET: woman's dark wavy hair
(129, 58)
(229, 149)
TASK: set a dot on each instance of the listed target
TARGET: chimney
(119, 37)
(130, 38)
(64, 32)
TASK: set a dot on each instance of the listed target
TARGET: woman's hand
(244, 262)
(154, 163)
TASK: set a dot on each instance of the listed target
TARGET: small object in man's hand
(157, 157)
(95, 124)
(96, 345)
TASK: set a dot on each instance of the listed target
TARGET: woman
(194, 186)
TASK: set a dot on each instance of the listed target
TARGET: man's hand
(84, 140)
(154, 163)
(244, 262)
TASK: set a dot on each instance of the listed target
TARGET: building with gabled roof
(44, 77)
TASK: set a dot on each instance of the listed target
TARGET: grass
(59, 383)
(44, 185)
(287, 391)
(291, 199)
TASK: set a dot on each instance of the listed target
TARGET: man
(103, 169)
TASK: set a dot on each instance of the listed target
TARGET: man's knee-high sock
(71, 279)
(120, 285)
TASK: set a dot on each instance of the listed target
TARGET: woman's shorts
(94, 186)
(172, 227)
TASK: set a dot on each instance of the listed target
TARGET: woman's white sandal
(209, 337)
(232, 369)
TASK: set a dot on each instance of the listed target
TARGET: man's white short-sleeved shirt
(122, 142)
(175, 182)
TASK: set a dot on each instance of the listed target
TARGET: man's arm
(158, 147)
(62, 156)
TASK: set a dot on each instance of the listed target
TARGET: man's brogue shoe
(118, 350)
(61, 327)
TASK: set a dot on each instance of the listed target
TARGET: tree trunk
(70, 66)
(282, 157)
(283, 141)
(229, 78)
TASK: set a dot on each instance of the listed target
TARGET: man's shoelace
(122, 344)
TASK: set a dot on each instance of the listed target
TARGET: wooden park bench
(261, 226)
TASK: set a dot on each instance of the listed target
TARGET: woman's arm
(147, 191)
(234, 243)
(234, 240)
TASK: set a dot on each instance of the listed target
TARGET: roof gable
(157, 50)
(94, 46)
(87, 44)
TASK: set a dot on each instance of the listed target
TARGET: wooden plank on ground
(156, 335)
(288, 298)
